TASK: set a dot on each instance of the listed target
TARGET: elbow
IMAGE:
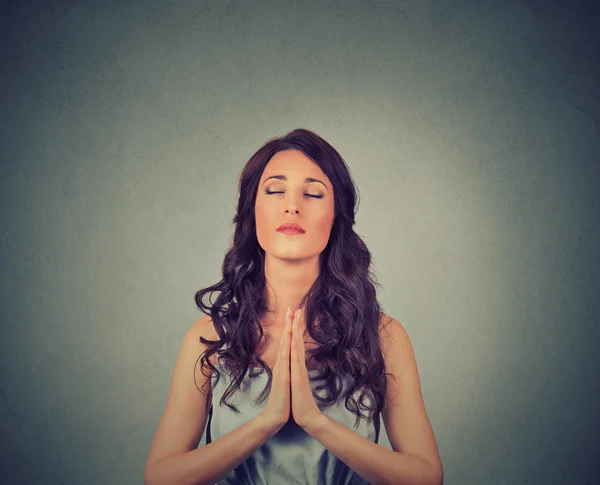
(432, 475)
(150, 475)
(156, 474)
(437, 475)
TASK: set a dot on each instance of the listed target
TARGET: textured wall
(471, 129)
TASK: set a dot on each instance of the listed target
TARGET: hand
(290, 373)
(277, 410)
(304, 408)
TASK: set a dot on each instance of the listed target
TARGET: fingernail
(288, 313)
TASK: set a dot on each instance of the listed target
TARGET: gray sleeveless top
(291, 456)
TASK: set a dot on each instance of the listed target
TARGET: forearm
(375, 463)
(210, 463)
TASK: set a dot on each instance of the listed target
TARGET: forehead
(292, 163)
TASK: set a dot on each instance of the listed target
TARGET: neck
(287, 283)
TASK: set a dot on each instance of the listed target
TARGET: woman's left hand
(304, 408)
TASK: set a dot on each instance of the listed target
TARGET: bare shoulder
(394, 339)
(384, 321)
(390, 328)
(203, 327)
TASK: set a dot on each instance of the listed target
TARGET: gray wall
(471, 130)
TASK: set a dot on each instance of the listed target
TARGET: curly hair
(342, 299)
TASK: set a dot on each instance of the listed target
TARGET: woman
(296, 340)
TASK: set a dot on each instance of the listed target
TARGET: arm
(174, 458)
(415, 459)
(375, 463)
(209, 464)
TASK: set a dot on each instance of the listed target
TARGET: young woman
(295, 347)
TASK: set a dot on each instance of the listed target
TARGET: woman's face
(293, 203)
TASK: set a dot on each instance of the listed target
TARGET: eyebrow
(307, 180)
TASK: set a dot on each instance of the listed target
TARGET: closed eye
(307, 195)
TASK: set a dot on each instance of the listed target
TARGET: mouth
(290, 228)
(290, 231)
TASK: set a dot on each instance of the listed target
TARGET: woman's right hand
(278, 408)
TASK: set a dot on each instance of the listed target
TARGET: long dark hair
(342, 299)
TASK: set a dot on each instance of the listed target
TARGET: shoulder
(203, 327)
(391, 328)
(384, 321)
(395, 342)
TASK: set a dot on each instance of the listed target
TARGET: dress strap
(208, 436)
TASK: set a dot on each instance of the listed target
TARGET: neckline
(312, 372)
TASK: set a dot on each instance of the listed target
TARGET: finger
(287, 337)
(283, 354)
(293, 346)
(301, 322)
(288, 320)
(282, 339)
(298, 354)
(300, 338)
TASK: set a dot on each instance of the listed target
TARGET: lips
(290, 227)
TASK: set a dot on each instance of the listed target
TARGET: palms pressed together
(291, 390)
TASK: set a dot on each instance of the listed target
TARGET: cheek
(265, 223)
(324, 221)
(264, 214)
